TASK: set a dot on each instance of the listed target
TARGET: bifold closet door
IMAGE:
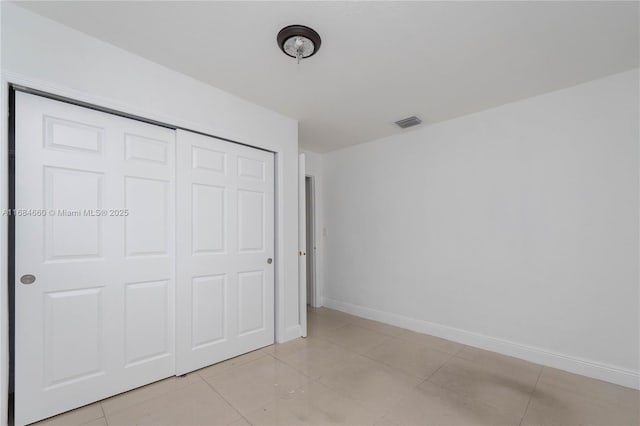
(94, 256)
(225, 249)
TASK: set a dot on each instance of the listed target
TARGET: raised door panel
(208, 224)
(146, 224)
(71, 135)
(251, 302)
(140, 148)
(147, 317)
(208, 160)
(68, 214)
(208, 306)
(63, 330)
(251, 221)
(251, 168)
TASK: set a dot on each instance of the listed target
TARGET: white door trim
(302, 246)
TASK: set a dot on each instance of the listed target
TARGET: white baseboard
(596, 370)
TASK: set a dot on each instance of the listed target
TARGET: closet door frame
(285, 259)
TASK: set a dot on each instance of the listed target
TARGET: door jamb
(311, 214)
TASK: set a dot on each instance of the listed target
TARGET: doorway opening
(309, 183)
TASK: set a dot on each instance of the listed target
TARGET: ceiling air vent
(408, 122)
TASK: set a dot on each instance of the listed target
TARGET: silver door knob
(27, 279)
(269, 261)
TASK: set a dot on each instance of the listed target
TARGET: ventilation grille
(408, 122)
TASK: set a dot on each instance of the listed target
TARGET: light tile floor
(354, 371)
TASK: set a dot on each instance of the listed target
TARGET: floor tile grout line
(101, 402)
(368, 351)
(329, 329)
(103, 413)
(467, 398)
(225, 400)
(314, 379)
(483, 364)
(387, 338)
(531, 396)
(401, 337)
(275, 359)
(284, 361)
(366, 354)
(394, 369)
(294, 368)
(347, 348)
(457, 352)
(233, 367)
(409, 339)
(406, 339)
(479, 401)
(392, 406)
(399, 370)
(427, 379)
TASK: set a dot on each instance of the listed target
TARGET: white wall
(514, 229)
(45, 55)
(314, 167)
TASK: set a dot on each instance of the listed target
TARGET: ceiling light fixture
(299, 41)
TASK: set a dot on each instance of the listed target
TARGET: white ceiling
(379, 61)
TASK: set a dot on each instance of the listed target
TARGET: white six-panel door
(99, 317)
(225, 249)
